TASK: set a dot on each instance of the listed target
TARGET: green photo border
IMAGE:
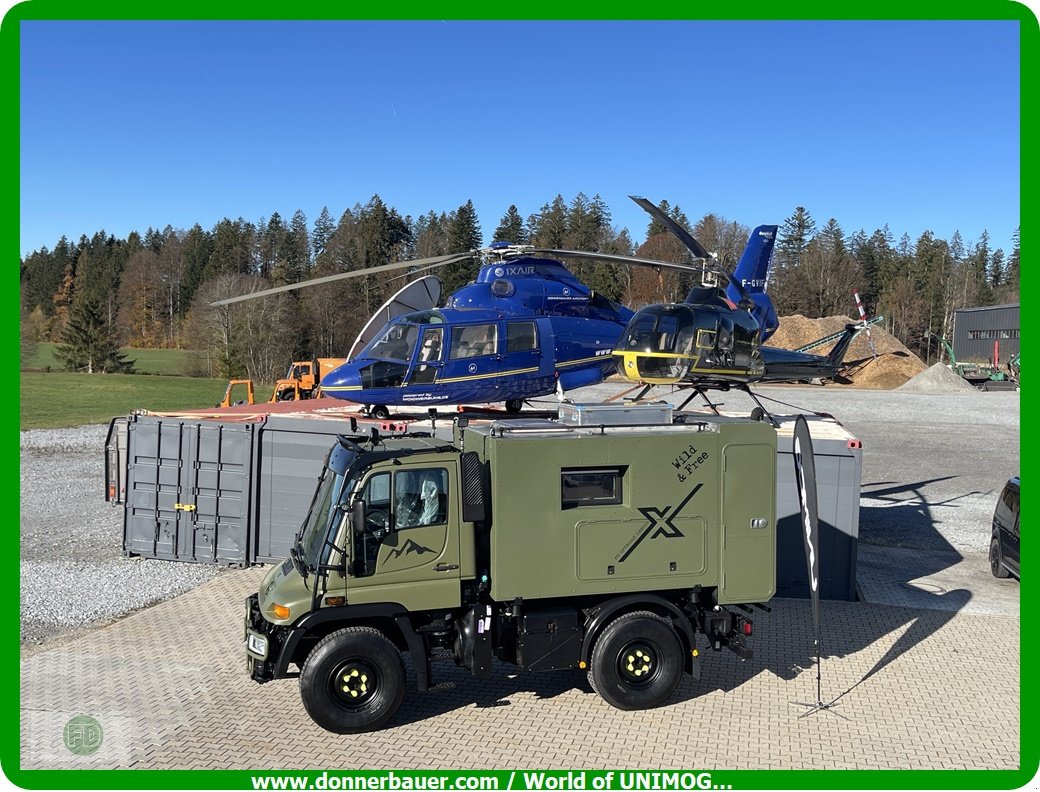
(541, 10)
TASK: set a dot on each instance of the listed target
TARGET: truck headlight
(257, 644)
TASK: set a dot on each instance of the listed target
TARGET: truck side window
(420, 497)
(590, 487)
(376, 495)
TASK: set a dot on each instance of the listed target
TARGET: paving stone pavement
(922, 688)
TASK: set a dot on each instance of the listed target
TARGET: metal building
(977, 330)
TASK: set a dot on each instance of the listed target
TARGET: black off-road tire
(995, 560)
(353, 681)
(637, 661)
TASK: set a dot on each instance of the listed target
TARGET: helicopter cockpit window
(383, 374)
(430, 354)
(431, 345)
(396, 343)
(432, 316)
(473, 341)
(660, 329)
(521, 336)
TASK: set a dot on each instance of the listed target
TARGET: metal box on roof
(656, 414)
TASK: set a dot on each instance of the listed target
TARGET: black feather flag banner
(805, 477)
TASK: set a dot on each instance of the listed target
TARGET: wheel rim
(994, 558)
(354, 683)
(639, 664)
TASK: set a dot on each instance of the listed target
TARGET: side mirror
(358, 517)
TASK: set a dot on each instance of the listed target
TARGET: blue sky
(130, 124)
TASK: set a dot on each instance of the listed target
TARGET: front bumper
(263, 643)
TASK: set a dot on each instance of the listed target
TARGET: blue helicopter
(526, 327)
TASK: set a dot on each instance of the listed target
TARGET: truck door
(748, 530)
(409, 551)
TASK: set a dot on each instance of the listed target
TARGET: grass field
(146, 361)
(49, 400)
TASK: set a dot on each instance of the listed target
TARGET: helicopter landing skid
(757, 414)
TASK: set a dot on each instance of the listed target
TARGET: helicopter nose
(342, 381)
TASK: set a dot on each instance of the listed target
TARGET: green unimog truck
(604, 548)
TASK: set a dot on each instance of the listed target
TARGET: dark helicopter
(714, 338)
(525, 327)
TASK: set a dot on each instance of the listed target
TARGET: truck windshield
(311, 545)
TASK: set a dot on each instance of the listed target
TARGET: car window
(1011, 499)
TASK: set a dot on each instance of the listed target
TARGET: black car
(1003, 546)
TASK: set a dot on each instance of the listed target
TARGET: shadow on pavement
(783, 643)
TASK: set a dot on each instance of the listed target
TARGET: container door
(155, 449)
(748, 532)
(218, 471)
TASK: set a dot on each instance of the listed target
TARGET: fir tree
(511, 228)
(794, 237)
(548, 227)
(324, 227)
(87, 343)
(463, 234)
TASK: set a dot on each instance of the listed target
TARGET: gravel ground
(933, 466)
(73, 572)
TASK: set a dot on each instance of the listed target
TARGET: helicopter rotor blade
(684, 236)
(614, 257)
(416, 271)
(426, 263)
(695, 247)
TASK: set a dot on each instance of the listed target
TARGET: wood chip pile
(895, 364)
